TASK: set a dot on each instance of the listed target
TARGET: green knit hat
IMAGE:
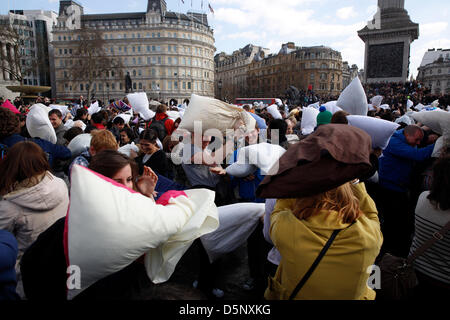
(324, 117)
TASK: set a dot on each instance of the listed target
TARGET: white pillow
(353, 99)
(125, 117)
(215, 114)
(38, 123)
(239, 170)
(309, 120)
(80, 144)
(126, 149)
(332, 106)
(385, 107)
(405, 119)
(379, 130)
(438, 121)
(314, 105)
(264, 155)
(409, 104)
(173, 115)
(419, 107)
(237, 222)
(438, 147)
(273, 110)
(139, 103)
(109, 226)
(69, 124)
(376, 101)
(64, 109)
(94, 108)
(292, 138)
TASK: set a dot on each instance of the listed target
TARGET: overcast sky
(269, 23)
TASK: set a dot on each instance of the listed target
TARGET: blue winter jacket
(54, 151)
(247, 189)
(8, 256)
(397, 162)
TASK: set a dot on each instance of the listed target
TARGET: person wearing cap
(319, 198)
(324, 117)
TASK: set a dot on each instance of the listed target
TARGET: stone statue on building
(293, 96)
(128, 83)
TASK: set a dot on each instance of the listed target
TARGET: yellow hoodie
(342, 273)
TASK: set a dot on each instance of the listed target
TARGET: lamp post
(219, 85)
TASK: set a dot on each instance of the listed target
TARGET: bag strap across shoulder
(316, 263)
(439, 235)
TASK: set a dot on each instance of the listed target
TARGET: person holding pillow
(33, 198)
(122, 169)
(152, 156)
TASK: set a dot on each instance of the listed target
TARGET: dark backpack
(159, 127)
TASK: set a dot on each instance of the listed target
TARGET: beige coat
(27, 212)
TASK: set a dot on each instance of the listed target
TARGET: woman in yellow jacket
(301, 227)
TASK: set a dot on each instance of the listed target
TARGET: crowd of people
(333, 189)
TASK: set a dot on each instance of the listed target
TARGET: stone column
(387, 4)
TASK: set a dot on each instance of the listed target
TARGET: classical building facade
(317, 68)
(434, 71)
(348, 73)
(231, 71)
(34, 29)
(168, 55)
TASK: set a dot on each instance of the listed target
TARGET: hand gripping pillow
(80, 144)
(273, 110)
(139, 103)
(109, 226)
(215, 114)
(237, 222)
(38, 124)
(309, 120)
(332, 107)
(94, 108)
(379, 130)
(438, 121)
(353, 99)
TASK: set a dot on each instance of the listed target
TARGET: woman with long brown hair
(32, 197)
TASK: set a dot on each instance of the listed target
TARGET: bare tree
(91, 61)
(14, 61)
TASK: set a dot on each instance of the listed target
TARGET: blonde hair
(340, 199)
(103, 140)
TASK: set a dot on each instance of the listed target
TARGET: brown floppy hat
(331, 156)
